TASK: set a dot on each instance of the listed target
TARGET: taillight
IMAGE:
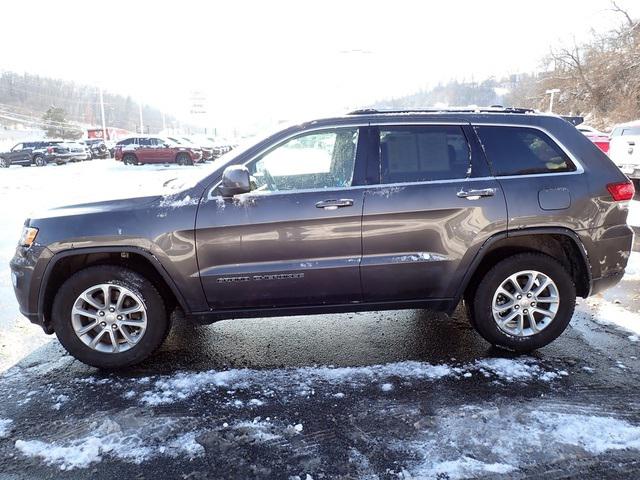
(621, 191)
(604, 146)
(49, 149)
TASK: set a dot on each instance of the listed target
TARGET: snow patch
(126, 441)
(609, 313)
(633, 218)
(277, 383)
(512, 370)
(506, 438)
(632, 271)
(173, 202)
(5, 427)
(420, 257)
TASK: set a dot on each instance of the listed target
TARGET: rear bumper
(65, 157)
(608, 256)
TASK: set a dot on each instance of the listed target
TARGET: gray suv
(512, 212)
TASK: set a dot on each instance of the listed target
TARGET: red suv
(137, 150)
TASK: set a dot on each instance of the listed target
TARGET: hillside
(24, 98)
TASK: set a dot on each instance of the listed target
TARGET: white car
(624, 148)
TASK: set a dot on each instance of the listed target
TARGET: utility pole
(141, 124)
(104, 125)
(552, 92)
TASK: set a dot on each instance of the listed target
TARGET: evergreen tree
(56, 125)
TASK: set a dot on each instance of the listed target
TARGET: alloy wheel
(525, 303)
(109, 318)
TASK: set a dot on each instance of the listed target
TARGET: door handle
(335, 204)
(476, 194)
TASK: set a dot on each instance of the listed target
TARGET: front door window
(318, 160)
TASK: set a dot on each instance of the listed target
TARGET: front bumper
(27, 269)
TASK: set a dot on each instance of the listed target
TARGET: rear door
(434, 205)
(161, 152)
(296, 239)
(146, 151)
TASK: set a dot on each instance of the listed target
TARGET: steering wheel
(271, 182)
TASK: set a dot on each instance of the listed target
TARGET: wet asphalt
(353, 436)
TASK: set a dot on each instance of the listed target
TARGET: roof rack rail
(492, 109)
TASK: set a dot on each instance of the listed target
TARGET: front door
(435, 202)
(20, 154)
(296, 238)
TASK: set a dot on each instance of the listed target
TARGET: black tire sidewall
(483, 316)
(157, 318)
(184, 159)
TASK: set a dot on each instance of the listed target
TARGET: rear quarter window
(522, 151)
(631, 131)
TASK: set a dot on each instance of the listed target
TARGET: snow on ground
(634, 213)
(608, 313)
(508, 437)
(274, 384)
(133, 433)
(5, 425)
(127, 436)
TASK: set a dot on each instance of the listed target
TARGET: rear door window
(522, 151)
(423, 153)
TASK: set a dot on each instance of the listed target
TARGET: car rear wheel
(129, 159)
(39, 161)
(109, 317)
(184, 159)
(524, 302)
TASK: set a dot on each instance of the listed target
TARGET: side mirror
(235, 180)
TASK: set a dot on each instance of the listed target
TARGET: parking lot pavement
(399, 394)
(387, 394)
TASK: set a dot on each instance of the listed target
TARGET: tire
(39, 161)
(129, 159)
(4, 163)
(512, 335)
(117, 279)
(184, 159)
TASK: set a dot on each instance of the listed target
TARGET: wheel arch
(66, 263)
(560, 243)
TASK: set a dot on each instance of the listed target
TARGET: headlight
(28, 236)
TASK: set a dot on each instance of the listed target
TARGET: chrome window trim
(579, 168)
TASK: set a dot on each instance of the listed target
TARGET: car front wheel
(4, 163)
(109, 316)
(524, 302)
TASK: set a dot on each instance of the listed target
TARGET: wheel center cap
(110, 317)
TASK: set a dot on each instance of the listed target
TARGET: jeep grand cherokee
(512, 212)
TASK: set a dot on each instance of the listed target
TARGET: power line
(29, 118)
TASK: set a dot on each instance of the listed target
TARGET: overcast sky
(285, 59)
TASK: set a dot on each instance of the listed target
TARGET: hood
(98, 207)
